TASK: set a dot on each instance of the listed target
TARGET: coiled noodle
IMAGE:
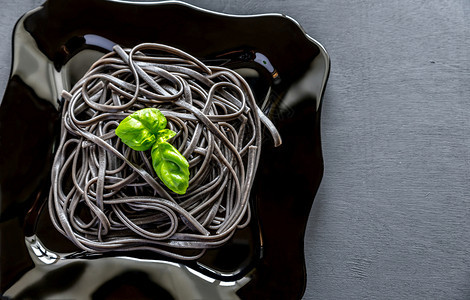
(106, 196)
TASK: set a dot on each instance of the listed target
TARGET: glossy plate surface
(53, 47)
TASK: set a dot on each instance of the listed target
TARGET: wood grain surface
(391, 219)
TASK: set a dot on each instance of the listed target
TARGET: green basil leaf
(171, 167)
(145, 129)
(164, 135)
(151, 118)
(134, 134)
(139, 130)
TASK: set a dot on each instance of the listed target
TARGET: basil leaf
(145, 129)
(151, 118)
(171, 167)
(135, 135)
(139, 129)
(164, 135)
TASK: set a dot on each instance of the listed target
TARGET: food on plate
(158, 152)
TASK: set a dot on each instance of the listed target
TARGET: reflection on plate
(53, 47)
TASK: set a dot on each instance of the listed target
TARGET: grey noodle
(107, 197)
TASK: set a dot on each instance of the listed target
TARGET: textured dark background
(391, 219)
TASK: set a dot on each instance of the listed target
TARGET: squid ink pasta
(106, 196)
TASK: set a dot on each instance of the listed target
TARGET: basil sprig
(145, 129)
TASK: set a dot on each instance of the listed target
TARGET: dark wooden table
(392, 217)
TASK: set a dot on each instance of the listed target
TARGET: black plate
(54, 45)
